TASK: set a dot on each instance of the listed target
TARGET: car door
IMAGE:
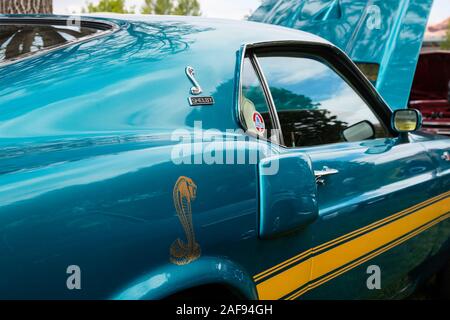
(376, 196)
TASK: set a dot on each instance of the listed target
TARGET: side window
(255, 111)
(17, 41)
(315, 105)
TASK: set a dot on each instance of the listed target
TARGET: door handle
(321, 174)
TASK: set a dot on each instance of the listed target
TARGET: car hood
(383, 37)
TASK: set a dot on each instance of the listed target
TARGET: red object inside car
(430, 91)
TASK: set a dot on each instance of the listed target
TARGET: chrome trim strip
(269, 97)
(239, 87)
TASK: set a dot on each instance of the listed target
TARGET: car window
(314, 103)
(255, 111)
(17, 41)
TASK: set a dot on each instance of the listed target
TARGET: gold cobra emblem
(184, 192)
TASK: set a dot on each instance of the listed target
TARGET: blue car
(146, 157)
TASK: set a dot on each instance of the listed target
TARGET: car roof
(243, 31)
(131, 79)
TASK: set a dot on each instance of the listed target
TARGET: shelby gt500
(157, 157)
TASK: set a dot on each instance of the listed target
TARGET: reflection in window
(314, 104)
(20, 40)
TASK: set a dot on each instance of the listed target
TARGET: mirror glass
(361, 131)
(406, 120)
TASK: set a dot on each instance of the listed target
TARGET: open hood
(383, 37)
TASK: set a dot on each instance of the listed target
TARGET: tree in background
(115, 6)
(180, 7)
(187, 8)
(26, 6)
(157, 7)
(446, 43)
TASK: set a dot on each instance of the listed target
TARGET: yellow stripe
(366, 258)
(299, 275)
(328, 244)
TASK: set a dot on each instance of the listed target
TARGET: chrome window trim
(238, 86)
(267, 95)
(269, 99)
(109, 27)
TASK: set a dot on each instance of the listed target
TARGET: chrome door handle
(321, 174)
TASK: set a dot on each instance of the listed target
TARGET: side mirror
(360, 131)
(406, 120)
(363, 130)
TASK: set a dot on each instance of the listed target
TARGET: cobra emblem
(196, 89)
(184, 192)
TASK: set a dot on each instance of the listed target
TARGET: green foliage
(187, 8)
(180, 7)
(116, 6)
(158, 7)
(446, 43)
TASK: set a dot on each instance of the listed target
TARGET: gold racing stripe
(366, 258)
(293, 260)
(305, 273)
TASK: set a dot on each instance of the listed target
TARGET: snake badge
(181, 252)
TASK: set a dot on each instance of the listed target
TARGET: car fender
(170, 279)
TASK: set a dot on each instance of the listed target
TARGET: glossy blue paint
(376, 179)
(171, 279)
(387, 33)
(87, 170)
(87, 175)
(286, 205)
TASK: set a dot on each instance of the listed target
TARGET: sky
(231, 9)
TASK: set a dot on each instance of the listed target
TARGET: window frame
(268, 97)
(104, 27)
(335, 59)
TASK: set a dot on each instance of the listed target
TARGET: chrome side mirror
(406, 120)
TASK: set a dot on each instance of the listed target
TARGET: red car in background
(431, 91)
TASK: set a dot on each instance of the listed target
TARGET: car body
(89, 180)
(431, 91)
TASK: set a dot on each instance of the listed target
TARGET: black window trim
(104, 27)
(337, 59)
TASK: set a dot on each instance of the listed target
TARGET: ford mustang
(147, 157)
